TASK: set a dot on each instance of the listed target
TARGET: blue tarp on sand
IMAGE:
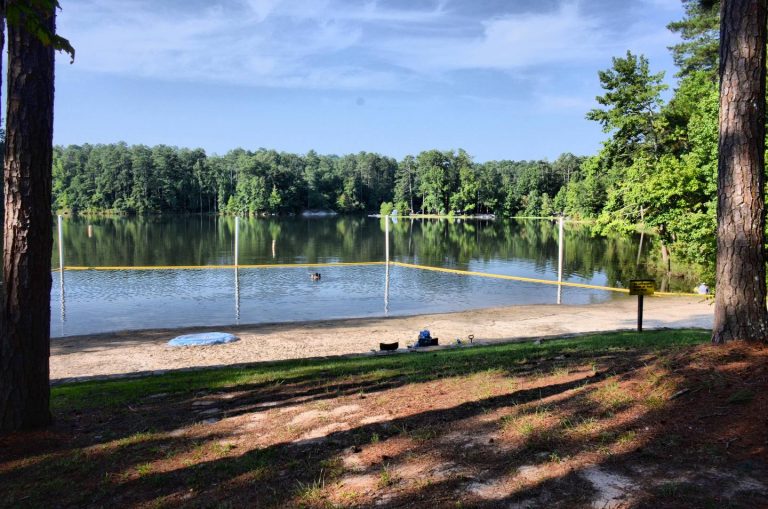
(205, 338)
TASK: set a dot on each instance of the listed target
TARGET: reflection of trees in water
(201, 240)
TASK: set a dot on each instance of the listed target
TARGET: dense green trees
(140, 179)
(658, 168)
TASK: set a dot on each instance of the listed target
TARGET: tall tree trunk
(25, 341)
(2, 44)
(740, 305)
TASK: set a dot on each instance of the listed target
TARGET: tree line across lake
(141, 179)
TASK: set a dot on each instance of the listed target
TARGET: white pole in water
(237, 295)
(561, 246)
(61, 245)
(386, 267)
(237, 238)
(61, 270)
(237, 275)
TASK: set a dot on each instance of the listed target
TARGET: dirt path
(128, 352)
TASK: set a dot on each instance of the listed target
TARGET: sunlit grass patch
(612, 398)
(136, 438)
(655, 401)
(579, 426)
(387, 477)
(222, 448)
(627, 437)
(528, 424)
(310, 493)
(143, 469)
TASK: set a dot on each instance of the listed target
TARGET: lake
(95, 301)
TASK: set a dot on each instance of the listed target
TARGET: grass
(387, 478)
(310, 493)
(741, 396)
(415, 367)
(612, 397)
(486, 409)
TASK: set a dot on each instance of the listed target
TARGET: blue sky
(503, 79)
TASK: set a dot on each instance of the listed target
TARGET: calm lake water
(100, 301)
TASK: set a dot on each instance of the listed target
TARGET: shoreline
(145, 351)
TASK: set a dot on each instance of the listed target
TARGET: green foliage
(630, 108)
(657, 171)
(139, 179)
(386, 208)
(34, 17)
(699, 31)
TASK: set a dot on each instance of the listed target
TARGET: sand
(129, 352)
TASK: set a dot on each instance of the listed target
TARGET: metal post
(561, 247)
(639, 313)
(237, 238)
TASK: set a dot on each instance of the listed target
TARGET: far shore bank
(146, 351)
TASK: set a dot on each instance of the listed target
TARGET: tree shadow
(460, 453)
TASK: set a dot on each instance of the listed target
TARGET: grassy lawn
(658, 419)
(410, 368)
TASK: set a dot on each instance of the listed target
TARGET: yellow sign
(642, 286)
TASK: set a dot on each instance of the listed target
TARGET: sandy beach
(146, 351)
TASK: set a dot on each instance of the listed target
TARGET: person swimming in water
(315, 276)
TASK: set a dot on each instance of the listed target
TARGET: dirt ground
(632, 430)
(146, 351)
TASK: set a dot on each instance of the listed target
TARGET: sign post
(641, 288)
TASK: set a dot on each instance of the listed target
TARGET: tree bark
(740, 300)
(25, 339)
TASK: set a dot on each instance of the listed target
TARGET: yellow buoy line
(528, 279)
(201, 267)
(360, 264)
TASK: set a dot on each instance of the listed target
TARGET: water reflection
(209, 240)
(101, 301)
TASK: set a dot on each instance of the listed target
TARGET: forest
(656, 170)
(140, 179)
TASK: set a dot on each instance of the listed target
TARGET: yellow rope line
(201, 267)
(528, 279)
(352, 264)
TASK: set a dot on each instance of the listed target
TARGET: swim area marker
(458, 272)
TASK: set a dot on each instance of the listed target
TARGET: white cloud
(566, 35)
(218, 44)
(336, 44)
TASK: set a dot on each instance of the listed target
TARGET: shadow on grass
(476, 469)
